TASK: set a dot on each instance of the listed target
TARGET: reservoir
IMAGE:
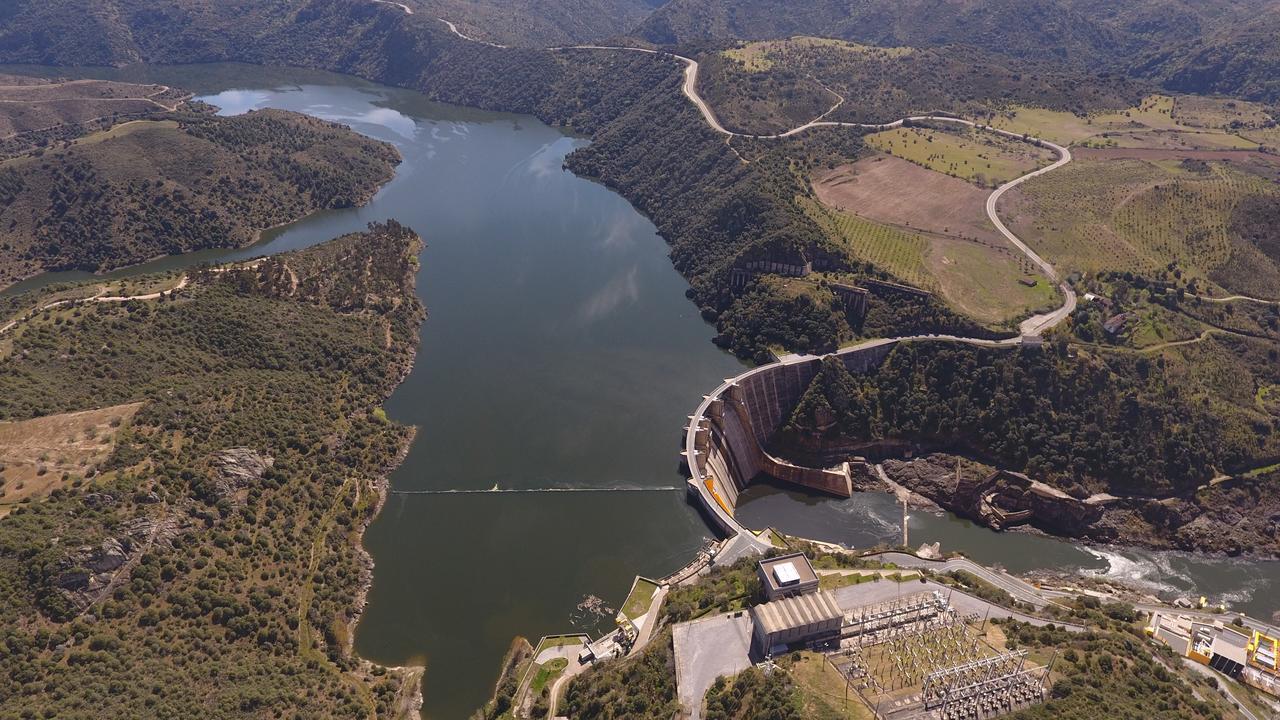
(559, 354)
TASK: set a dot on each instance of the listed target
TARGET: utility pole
(905, 542)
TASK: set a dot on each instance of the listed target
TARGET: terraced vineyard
(984, 282)
(1138, 215)
(898, 252)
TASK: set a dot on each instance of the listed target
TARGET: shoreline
(256, 235)
(410, 675)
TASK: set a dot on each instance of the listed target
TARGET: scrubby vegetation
(1112, 422)
(773, 85)
(726, 588)
(36, 113)
(638, 688)
(187, 182)
(753, 695)
(1111, 669)
(1220, 48)
(210, 565)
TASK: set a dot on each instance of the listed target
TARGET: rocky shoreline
(1207, 522)
(410, 675)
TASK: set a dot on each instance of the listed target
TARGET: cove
(559, 352)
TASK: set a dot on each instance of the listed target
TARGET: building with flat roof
(1219, 646)
(1230, 652)
(787, 576)
(798, 620)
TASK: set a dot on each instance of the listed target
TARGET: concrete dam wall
(726, 437)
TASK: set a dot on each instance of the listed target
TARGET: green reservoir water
(559, 353)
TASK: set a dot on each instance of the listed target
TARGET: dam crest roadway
(723, 449)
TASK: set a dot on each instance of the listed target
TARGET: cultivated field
(897, 192)
(1268, 137)
(43, 454)
(898, 251)
(1181, 140)
(982, 158)
(1159, 121)
(979, 279)
(1153, 113)
(1141, 214)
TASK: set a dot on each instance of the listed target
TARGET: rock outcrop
(1235, 518)
(236, 469)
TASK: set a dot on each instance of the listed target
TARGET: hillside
(538, 23)
(35, 112)
(773, 85)
(1223, 47)
(649, 144)
(184, 182)
(222, 533)
(1131, 426)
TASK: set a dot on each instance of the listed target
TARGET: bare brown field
(943, 240)
(46, 453)
(894, 191)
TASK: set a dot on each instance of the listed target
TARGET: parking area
(706, 649)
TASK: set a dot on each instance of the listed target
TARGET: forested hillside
(719, 205)
(184, 182)
(210, 566)
(649, 143)
(1222, 47)
(538, 23)
(1106, 423)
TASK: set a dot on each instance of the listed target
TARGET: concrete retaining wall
(725, 440)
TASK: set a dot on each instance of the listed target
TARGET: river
(559, 352)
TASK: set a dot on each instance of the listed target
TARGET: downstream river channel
(559, 354)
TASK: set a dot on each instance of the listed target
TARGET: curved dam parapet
(726, 437)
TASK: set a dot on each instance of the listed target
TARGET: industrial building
(787, 576)
(1262, 670)
(801, 620)
(1219, 646)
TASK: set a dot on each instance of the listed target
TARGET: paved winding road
(1032, 326)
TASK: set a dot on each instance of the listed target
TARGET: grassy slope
(982, 158)
(229, 604)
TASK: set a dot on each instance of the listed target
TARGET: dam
(726, 437)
